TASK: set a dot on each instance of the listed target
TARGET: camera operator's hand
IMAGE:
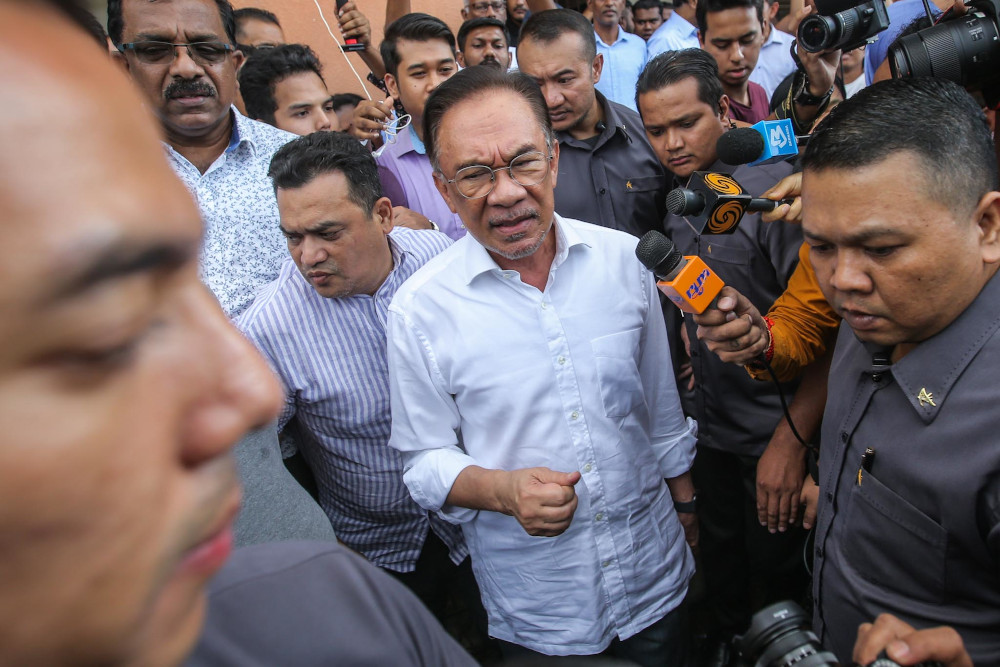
(790, 187)
(908, 646)
(735, 331)
(371, 117)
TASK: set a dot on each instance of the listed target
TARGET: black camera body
(842, 25)
(964, 49)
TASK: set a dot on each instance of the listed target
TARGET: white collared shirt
(674, 34)
(486, 370)
(775, 61)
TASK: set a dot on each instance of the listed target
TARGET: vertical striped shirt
(330, 355)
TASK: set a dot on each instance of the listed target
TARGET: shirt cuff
(429, 476)
(677, 457)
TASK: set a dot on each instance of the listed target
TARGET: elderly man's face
(191, 97)
(122, 385)
(475, 9)
(258, 33)
(513, 220)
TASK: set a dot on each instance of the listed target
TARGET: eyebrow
(524, 148)
(857, 238)
(318, 228)
(443, 61)
(161, 37)
(119, 260)
(734, 39)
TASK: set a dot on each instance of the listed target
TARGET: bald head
(119, 375)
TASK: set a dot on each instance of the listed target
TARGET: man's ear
(598, 66)
(460, 57)
(382, 214)
(987, 216)
(391, 86)
(724, 109)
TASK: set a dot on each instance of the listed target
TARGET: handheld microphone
(714, 203)
(766, 142)
(687, 281)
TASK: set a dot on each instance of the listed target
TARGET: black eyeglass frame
(493, 173)
(193, 55)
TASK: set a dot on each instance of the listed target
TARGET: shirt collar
(623, 36)
(682, 24)
(777, 37)
(613, 125)
(479, 261)
(927, 374)
(243, 131)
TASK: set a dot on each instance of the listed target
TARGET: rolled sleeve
(672, 436)
(425, 421)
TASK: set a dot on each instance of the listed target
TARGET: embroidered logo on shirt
(628, 185)
(926, 398)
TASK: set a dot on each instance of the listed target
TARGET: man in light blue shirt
(624, 53)
(775, 61)
(678, 32)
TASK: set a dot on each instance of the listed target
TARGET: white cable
(337, 42)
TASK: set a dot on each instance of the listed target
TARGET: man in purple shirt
(419, 53)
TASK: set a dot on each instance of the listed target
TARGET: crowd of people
(410, 336)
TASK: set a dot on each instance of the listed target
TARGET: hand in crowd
(780, 472)
(735, 331)
(404, 217)
(686, 371)
(370, 118)
(821, 68)
(354, 24)
(689, 521)
(542, 500)
(809, 502)
(787, 188)
(908, 646)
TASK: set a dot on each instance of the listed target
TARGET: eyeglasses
(161, 53)
(484, 6)
(477, 181)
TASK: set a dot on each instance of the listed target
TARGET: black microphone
(714, 203)
(767, 142)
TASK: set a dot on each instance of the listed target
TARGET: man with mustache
(321, 327)
(483, 41)
(182, 55)
(532, 394)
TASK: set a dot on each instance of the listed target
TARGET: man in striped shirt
(321, 325)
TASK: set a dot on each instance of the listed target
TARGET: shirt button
(819, 552)
(829, 497)
(588, 468)
(574, 415)
(544, 305)
(561, 360)
(598, 516)
(603, 190)
(877, 377)
(606, 563)
(843, 436)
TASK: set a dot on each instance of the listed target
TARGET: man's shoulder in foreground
(314, 603)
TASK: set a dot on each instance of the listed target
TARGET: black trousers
(743, 565)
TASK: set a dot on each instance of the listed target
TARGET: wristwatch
(687, 506)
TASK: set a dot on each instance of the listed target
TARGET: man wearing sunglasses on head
(182, 55)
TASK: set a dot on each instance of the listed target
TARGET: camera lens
(779, 636)
(966, 51)
(817, 33)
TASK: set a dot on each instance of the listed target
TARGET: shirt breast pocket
(894, 545)
(617, 374)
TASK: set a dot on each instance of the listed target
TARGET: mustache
(513, 216)
(189, 88)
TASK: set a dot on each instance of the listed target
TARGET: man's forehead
(489, 32)
(431, 51)
(516, 138)
(547, 58)
(172, 17)
(732, 23)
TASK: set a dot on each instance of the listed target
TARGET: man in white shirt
(677, 32)
(532, 397)
(775, 61)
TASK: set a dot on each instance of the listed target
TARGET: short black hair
(957, 155)
(301, 160)
(343, 99)
(706, 7)
(548, 26)
(480, 22)
(647, 4)
(256, 13)
(116, 23)
(672, 67)
(268, 67)
(473, 81)
(415, 27)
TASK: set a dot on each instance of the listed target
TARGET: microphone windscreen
(658, 253)
(742, 145)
